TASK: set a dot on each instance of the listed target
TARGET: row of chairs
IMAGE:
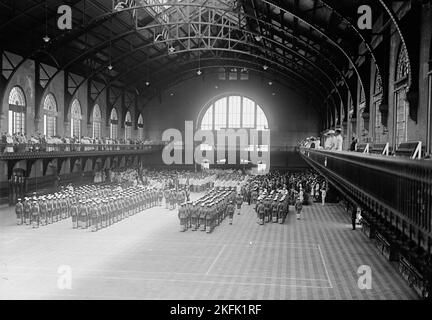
(412, 149)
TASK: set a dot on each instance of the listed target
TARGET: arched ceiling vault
(309, 45)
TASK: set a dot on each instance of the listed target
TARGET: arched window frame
(50, 115)
(233, 112)
(140, 125)
(113, 124)
(17, 110)
(400, 104)
(96, 122)
(128, 126)
(76, 117)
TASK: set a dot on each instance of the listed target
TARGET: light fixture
(199, 72)
(273, 93)
(110, 67)
(171, 94)
(270, 83)
(147, 83)
(265, 67)
(171, 49)
(258, 38)
(46, 39)
(216, 87)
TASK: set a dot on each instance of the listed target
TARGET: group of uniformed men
(90, 206)
(174, 197)
(43, 210)
(210, 210)
(272, 207)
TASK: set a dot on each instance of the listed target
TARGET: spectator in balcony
(338, 140)
(329, 143)
(353, 145)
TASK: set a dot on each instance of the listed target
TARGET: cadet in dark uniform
(281, 211)
(160, 196)
(194, 216)
(182, 217)
(74, 213)
(43, 211)
(239, 202)
(27, 211)
(202, 217)
(209, 217)
(49, 209)
(19, 211)
(166, 195)
(35, 213)
(267, 209)
(93, 216)
(260, 211)
(230, 211)
(275, 210)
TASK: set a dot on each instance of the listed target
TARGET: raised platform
(146, 257)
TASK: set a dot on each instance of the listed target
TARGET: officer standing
(298, 208)
(27, 211)
(43, 211)
(74, 214)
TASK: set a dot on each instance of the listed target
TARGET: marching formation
(210, 210)
(90, 206)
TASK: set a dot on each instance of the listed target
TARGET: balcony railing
(400, 186)
(10, 151)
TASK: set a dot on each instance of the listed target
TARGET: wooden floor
(146, 257)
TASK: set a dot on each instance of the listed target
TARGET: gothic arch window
(113, 124)
(140, 127)
(76, 117)
(17, 111)
(400, 103)
(402, 65)
(128, 126)
(50, 115)
(97, 122)
(379, 129)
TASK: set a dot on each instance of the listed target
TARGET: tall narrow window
(113, 124)
(234, 112)
(220, 114)
(128, 126)
(50, 115)
(17, 111)
(140, 128)
(401, 107)
(248, 113)
(207, 120)
(76, 117)
(97, 122)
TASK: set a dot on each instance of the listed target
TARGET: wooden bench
(363, 147)
(413, 150)
(381, 148)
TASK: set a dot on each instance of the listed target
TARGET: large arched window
(140, 128)
(50, 115)
(234, 112)
(76, 117)
(97, 122)
(113, 124)
(128, 126)
(17, 110)
(400, 103)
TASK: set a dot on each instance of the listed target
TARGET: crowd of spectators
(19, 142)
(330, 140)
